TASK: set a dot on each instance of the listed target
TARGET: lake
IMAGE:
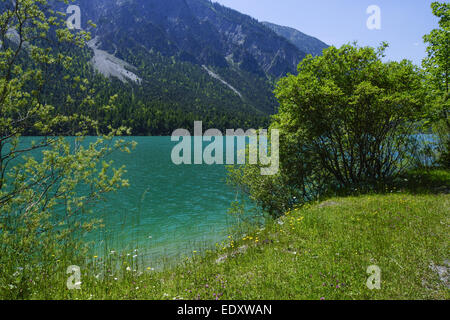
(168, 210)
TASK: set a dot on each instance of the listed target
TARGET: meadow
(319, 251)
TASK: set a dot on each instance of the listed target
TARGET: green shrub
(347, 120)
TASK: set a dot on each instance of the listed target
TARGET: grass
(319, 251)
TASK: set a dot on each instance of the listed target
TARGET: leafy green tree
(347, 120)
(437, 67)
(46, 182)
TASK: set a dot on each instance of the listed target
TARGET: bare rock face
(110, 66)
(198, 31)
(443, 272)
(184, 57)
(302, 41)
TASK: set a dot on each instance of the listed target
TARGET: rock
(442, 271)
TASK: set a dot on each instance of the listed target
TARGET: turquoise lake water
(168, 210)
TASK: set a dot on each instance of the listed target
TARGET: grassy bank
(320, 251)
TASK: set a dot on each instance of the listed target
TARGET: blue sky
(336, 22)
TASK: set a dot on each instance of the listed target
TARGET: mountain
(175, 61)
(302, 41)
(196, 31)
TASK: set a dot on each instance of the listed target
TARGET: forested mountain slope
(175, 61)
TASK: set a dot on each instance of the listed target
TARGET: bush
(347, 120)
(47, 184)
(437, 68)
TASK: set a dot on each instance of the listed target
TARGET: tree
(46, 182)
(347, 120)
(437, 67)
